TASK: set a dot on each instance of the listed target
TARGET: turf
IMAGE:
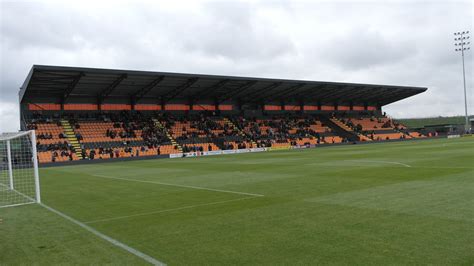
(389, 203)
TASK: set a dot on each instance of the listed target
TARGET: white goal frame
(32, 195)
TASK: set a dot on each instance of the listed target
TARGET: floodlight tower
(461, 43)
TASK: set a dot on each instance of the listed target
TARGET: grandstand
(86, 114)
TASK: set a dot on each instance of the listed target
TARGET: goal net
(19, 178)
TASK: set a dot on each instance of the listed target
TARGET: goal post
(19, 175)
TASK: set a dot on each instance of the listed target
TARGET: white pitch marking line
(21, 194)
(447, 167)
(367, 161)
(18, 204)
(177, 185)
(5, 186)
(167, 210)
(106, 238)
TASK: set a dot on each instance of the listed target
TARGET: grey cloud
(34, 25)
(236, 33)
(364, 49)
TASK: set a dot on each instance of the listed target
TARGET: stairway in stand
(340, 124)
(241, 133)
(159, 125)
(71, 137)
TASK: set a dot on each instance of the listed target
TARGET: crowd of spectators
(279, 129)
(116, 152)
(201, 126)
(46, 136)
(244, 131)
(63, 149)
(237, 145)
(192, 148)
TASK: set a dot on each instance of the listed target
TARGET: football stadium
(134, 167)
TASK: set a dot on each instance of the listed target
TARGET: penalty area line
(107, 238)
(388, 162)
(166, 210)
(177, 185)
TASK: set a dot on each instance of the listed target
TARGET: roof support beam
(387, 97)
(358, 96)
(331, 91)
(288, 91)
(314, 93)
(71, 86)
(341, 94)
(303, 95)
(107, 91)
(264, 92)
(180, 89)
(212, 89)
(367, 95)
(237, 91)
(264, 89)
(137, 95)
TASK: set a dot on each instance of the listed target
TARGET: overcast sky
(392, 42)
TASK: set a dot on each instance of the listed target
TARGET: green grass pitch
(389, 203)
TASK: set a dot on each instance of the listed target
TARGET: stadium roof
(70, 84)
